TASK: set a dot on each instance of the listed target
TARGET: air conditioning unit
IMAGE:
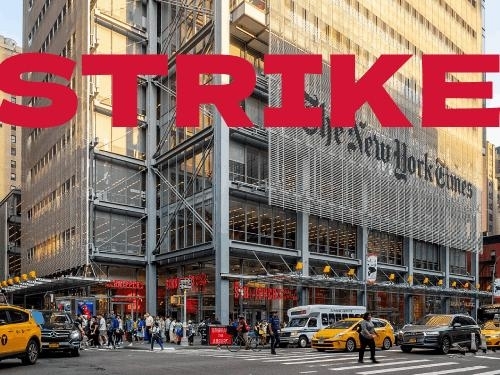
(94, 41)
(93, 89)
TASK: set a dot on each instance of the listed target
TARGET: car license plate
(412, 340)
(53, 345)
(320, 341)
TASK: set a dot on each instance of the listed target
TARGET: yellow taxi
(343, 335)
(491, 331)
(20, 336)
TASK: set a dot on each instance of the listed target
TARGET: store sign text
(264, 293)
(125, 284)
(198, 280)
(394, 152)
(348, 93)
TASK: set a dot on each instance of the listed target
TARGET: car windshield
(491, 325)
(436, 320)
(341, 324)
(298, 322)
(52, 319)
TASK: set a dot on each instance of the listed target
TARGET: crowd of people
(112, 331)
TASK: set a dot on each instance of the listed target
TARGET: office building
(10, 159)
(258, 218)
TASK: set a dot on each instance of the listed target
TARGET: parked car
(343, 335)
(491, 332)
(441, 332)
(20, 336)
(59, 331)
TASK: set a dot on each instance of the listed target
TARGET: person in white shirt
(149, 324)
(103, 331)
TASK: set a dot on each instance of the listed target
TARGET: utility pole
(493, 275)
(184, 284)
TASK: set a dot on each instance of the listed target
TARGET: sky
(11, 26)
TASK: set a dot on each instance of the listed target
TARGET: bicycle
(236, 343)
(254, 343)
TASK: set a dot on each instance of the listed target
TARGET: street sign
(185, 283)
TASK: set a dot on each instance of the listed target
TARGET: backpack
(178, 331)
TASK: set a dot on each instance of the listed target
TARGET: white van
(303, 321)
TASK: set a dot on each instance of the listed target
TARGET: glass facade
(140, 201)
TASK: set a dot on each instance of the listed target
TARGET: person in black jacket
(273, 328)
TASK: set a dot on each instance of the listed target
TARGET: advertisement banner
(85, 307)
(371, 268)
(496, 288)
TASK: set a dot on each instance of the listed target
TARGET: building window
(13, 176)
(13, 99)
(13, 139)
(13, 151)
(13, 164)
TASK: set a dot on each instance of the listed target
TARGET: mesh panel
(414, 182)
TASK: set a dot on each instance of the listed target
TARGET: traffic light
(176, 300)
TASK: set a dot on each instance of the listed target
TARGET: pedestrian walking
(273, 329)
(168, 321)
(156, 335)
(367, 336)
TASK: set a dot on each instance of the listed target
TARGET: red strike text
(348, 93)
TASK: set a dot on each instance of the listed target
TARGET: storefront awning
(42, 285)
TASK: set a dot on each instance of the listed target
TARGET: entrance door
(119, 308)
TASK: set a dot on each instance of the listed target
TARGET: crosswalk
(311, 362)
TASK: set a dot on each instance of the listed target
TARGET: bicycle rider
(242, 329)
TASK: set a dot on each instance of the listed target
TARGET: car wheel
(350, 345)
(75, 352)
(302, 342)
(31, 355)
(445, 345)
(386, 344)
(406, 349)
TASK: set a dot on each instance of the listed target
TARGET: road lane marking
(392, 369)
(460, 369)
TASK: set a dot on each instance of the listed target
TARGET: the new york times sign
(395, 152)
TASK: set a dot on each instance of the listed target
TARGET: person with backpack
(178, 331)
(367, 336)
(156, 335)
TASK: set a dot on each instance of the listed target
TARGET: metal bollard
(484, 348)
(473, 346)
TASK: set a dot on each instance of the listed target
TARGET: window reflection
(262, 224)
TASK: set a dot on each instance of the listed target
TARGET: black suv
(59, 331)
(441, 332)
